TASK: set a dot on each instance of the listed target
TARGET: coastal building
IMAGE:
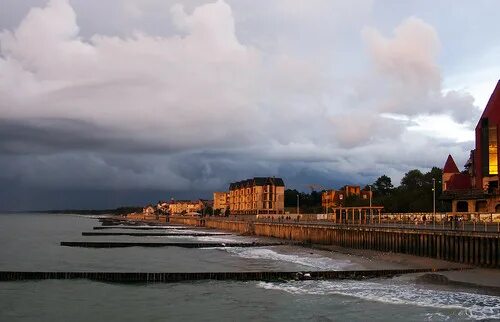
(149, 210)
(163, 207)
(259, 195)
(177, 207)
(476, 188)
(335, 198)
(221, 201)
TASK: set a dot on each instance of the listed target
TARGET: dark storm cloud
(206, 97)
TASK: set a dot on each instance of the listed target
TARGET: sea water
(31, 242)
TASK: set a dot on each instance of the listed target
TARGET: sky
(121, 102)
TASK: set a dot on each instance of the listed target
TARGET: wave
(222, 239)
(474, 306)
(313, 261)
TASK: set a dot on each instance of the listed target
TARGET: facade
(335, 198)
(260, 195)
(149, 210)
(221, 201)
(186, 206)
(163, 207)
(476, 189)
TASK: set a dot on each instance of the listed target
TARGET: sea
(31, 242)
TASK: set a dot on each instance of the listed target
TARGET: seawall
(479, 249)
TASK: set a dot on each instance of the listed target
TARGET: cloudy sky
(122, 102)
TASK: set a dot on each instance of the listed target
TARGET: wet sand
(466, 276)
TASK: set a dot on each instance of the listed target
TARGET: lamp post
(370, 186)
(370, 195)
(434, 202)
(297, 204)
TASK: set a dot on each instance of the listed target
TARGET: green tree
(413, 179)
(383, 186)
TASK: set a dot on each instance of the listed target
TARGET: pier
(139, 277)
(108, 244)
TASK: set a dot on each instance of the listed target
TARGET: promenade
(462, 244)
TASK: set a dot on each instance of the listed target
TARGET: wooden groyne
(142, 234)
(130, 277)
(108, 244)
(145, 227)
(473, 248)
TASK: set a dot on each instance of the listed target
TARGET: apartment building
(259, 195)
(221, 201)
(335, 198)
(186, 206)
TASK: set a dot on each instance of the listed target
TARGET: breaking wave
(312, 261)
(223, 239)
(473, 306)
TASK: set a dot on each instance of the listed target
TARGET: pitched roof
(257, 181)
(459, 181)
(450, 166)
(493, 106)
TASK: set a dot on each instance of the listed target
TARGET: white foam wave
(313, 261)
(475, 306)
(220, 239)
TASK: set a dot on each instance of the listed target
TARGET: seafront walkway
(478, 248)
(469, 226)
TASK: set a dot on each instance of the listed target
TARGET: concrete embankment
(98, 244)
(238, 276)
(473, 248)
(187, 220)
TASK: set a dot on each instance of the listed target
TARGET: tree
(383, 186)
(413, 179)
(291, 197)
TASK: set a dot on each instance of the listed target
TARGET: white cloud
(201, 107)
(412, 81)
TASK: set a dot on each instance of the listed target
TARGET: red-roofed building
(476, 188)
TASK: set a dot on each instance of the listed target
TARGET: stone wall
(187, 220)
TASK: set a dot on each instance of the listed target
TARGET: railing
(475, 222)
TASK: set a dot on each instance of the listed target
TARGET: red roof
(459, 181)
(450, 166)
(492, 109)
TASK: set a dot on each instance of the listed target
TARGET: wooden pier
(139, 277)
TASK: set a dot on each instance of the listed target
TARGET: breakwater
(143, 227)
(107, 244)
(474, 248)
(131, 277)
(139, 234)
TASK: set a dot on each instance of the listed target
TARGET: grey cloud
(207, 96)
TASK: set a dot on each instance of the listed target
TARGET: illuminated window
(492, 150)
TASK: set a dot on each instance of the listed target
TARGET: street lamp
(297, 204)
(370, 196)
(370, 186)
(434, 202)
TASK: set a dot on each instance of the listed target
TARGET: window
(492, 150)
